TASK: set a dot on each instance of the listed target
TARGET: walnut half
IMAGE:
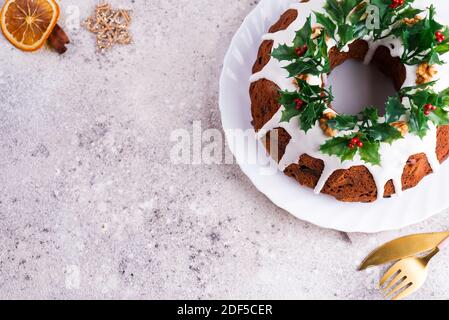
(411, 21)
(316, 32)
(328, 131)
(401, 126)
(425, 73)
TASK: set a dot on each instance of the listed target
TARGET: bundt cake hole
(369, 85)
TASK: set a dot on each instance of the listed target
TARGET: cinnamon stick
(58, 39)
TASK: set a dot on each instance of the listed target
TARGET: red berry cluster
(355, 142)
(300, 51)
(299, 104)
(428, 108)
(439, 36)
(396, 3)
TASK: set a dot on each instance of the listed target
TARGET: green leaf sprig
(314, 101)
(420, 41)
(343, 20)
(371, 131)
(307, 55)
(390, 18)
(367, 129)
(418, 100)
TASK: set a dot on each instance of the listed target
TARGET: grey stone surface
(92, 207)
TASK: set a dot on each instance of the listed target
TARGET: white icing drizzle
(391, 42)
(394, 157)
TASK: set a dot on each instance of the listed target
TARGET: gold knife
(403, 247)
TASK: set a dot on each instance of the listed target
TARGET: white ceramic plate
(415, 205)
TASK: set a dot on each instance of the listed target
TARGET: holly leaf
(394, 109)
(327, 23)
(343, 18)
(443, 98)
(343, 122)
(406, 90)
(439, 117)
(420, 98)
(442, 48)
(419, 40)
(383, 132)
(348, 6)
(303, 34)
(311, 93)
(302, 66)
(408, 12)
(310, 114)
(287, 99)
(346, 34)
(338, 146)
(418, 122)
(370, 152)
(315, 101)
(390, 19)
(315, 60)
(358, 13)
(288, 114)
(308, 90)
(434, 57)
(322, 48)
(370, 113)
(334, 9)
(284, 52)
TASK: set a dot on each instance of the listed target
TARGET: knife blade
(403, 247)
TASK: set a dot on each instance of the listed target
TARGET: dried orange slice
(27, 24)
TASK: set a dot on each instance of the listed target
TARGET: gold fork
(409, 275)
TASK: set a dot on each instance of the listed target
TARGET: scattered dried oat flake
(111, 26)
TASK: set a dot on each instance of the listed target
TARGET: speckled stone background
(92, 207)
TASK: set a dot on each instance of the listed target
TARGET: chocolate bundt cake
(403, 163)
